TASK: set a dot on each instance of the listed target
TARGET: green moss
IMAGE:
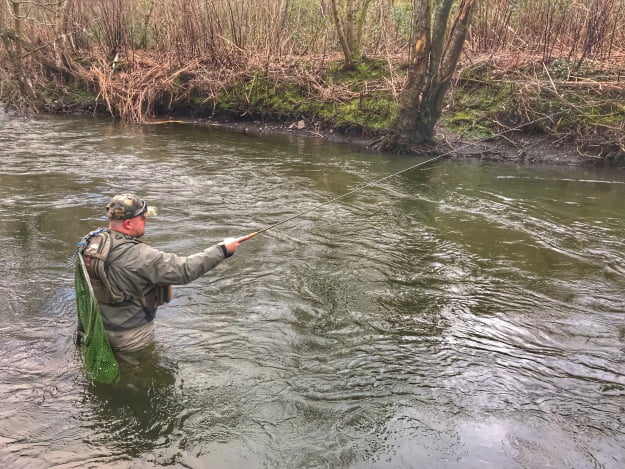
(261, 96)
(363, 72)
(484, 98)
(475, 106)
(79, 94)
(56, 97)
(374, 112)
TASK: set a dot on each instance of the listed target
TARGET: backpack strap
(85, 240)
(95, 248)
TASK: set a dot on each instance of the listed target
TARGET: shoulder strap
(86, 239)
(99, 244)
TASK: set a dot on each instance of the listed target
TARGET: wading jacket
(141, 272)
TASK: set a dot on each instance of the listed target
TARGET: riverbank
(577, 112)
(510, 146)
(520, 148)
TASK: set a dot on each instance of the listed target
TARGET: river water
(460, 315)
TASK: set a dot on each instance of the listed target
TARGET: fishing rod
(377, 181)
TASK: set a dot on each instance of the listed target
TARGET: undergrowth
(584, 106)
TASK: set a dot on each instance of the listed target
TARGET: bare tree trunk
(403, 131)
(15, 55)
(17, 28)
(349, 22)
(435, 51)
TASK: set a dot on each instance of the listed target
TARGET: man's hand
(231, 244)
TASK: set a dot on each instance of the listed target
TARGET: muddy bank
(514, 147)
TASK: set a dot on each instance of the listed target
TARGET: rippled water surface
(460, 315)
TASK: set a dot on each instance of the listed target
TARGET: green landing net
(99, 362)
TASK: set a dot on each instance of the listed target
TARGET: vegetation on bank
(587, 104)
(283, 61)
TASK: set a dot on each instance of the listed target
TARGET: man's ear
(128, 224)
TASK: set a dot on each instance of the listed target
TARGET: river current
(459, 315)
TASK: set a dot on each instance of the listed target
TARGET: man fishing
(130, 279)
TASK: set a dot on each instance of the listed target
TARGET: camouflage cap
(126, 206)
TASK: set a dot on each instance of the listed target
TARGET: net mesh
(99, 362)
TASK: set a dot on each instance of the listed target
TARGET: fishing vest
(95, 247)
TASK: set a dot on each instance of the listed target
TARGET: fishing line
(377, 181)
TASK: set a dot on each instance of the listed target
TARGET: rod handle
(246, 237)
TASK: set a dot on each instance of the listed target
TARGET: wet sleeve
(162, 268)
